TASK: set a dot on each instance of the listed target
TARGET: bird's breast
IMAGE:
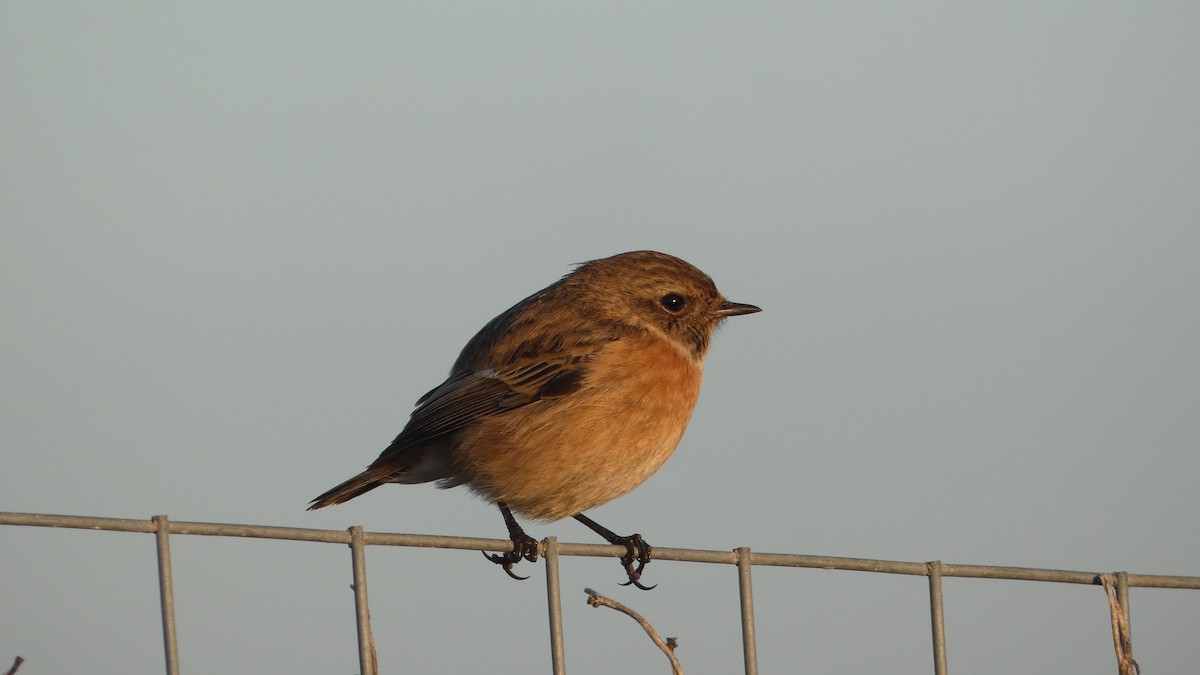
(562, 456)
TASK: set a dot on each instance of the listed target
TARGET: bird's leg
(636, 549)
(524, 546)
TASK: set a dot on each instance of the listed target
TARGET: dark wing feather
(469, 396)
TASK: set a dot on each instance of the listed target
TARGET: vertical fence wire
(937, 618)
(1123, 598)
(1123, 601)
(558, 659)
(166, 593)
(746, 595)
(366, 640)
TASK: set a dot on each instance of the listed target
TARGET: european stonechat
(571, 398)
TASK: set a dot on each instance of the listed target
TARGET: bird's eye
(672, 302)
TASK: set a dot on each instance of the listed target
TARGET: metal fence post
(366, 640)
(746, 594)
(554, 605)
(937, 618)
(166, 593)
(1123, 598)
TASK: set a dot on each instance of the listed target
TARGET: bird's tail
(362, 483)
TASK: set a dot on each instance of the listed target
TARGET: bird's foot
(524, 547)
(636, 550)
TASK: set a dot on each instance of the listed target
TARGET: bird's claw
(638, 584)
(636, 550)
(524, 548)
(506, 562)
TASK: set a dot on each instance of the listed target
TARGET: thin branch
(1122, 641)
(667, 646)
(16, 664)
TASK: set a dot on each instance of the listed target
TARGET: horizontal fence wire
(591, 550)
(743, 559)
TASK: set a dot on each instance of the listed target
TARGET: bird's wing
(470, 395)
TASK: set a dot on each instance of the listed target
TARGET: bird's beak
(728, 308)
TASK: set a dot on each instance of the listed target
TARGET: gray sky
(238, 240)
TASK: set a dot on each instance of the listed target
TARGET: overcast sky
(239, 240)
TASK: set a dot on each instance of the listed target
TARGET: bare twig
(16, 664)
(667, 646)
(1122, 641)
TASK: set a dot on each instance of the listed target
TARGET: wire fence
(1116, 584)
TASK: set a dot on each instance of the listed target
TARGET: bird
(571, 398)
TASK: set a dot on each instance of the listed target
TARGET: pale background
(239, 240)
